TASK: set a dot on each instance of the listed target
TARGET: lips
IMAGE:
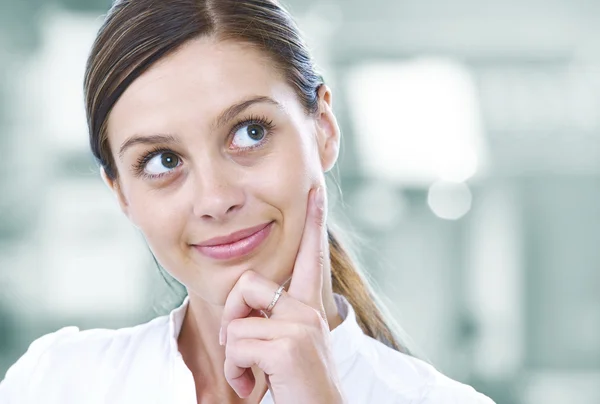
(235, 245)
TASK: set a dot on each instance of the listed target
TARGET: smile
(235, 245)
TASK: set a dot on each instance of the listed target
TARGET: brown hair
(137, 33)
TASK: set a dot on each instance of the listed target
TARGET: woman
(214, 132)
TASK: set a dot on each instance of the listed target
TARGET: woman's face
(211, 141)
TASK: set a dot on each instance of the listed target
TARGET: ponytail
(348, 281)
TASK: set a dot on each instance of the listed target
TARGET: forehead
(199, 80)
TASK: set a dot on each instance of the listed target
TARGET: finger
(252, 292)
(243, 352)
(269, 356)
(239, 359)
(241, 379)
(268, 329)
(307, 278)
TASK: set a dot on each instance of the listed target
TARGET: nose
(217, 193)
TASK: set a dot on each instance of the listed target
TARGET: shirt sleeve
(456, 393)
(14, 387)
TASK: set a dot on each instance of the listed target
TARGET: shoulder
(17, 377)
(69, 354)
(407, 379)
(70, 343)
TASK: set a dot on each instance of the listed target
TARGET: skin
(215, 187)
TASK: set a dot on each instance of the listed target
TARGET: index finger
(307, 278)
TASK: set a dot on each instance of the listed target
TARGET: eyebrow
(149, 140)
(236, 109)
(223, 118)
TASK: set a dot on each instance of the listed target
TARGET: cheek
(285, 184)
(295, 167)
(295, 172)
(159, 225)
(286, 181)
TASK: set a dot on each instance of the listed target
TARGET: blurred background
(470, 169)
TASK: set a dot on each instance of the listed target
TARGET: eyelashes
(262, 121)
(139, 167)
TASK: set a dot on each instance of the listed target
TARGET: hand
(292, 346)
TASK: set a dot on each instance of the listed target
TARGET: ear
(114, 186)
(328, 131)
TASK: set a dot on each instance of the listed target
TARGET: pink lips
(236, 244)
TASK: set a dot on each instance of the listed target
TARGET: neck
(198, 343)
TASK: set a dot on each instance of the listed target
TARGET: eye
(249, 136)
(162, 163)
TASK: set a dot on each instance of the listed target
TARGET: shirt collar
(175, 322)
(345, 338)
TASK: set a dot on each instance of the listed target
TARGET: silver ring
(275, 298)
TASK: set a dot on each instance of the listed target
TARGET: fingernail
(320, 198)
(221, 337)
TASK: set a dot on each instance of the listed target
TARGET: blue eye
(161, 163)
(249, 136)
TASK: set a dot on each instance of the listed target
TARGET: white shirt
(142, 364)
